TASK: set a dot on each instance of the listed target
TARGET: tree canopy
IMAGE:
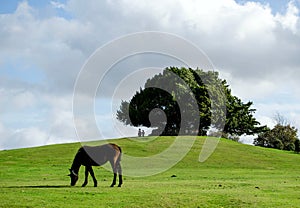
(175, 92)
(283, 137)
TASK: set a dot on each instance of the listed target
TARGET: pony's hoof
(119, 185)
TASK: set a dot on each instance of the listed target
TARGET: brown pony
(97, 156)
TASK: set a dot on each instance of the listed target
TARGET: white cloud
(5, 132)
(240, 39)
(256, 51)
(23, 100)
(291, 19)
(55, 46)
(57, 5)
(31, 136)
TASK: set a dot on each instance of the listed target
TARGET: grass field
(235, 175)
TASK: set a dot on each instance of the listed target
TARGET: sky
(254, 45)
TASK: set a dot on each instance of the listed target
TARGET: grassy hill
(235, 175)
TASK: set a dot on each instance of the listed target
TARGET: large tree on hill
(206, 90)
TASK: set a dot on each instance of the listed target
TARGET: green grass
(235, 175)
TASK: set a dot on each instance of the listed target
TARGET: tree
(239, 117)
(194, 87)
(280, 137)
(280, 119)
(297, 146)
(283, 136)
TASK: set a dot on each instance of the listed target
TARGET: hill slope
(235, 175)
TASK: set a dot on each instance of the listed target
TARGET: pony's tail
(120, 156)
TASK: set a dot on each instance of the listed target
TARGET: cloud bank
(43, 49)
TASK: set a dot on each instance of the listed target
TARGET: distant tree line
(283, 136)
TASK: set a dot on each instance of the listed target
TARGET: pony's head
(74, 177)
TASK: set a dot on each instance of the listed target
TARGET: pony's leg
(93, 176)
(86, 176)
(114, 180)
(119, 169)
(115, 174)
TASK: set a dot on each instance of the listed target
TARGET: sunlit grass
(235, 175)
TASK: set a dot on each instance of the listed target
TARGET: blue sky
(44, 44)
(277, 5)
(9, 6)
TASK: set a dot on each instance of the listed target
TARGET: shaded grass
(235, 175)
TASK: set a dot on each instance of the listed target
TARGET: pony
(96, 156)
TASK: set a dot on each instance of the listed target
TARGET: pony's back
(98, 155)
